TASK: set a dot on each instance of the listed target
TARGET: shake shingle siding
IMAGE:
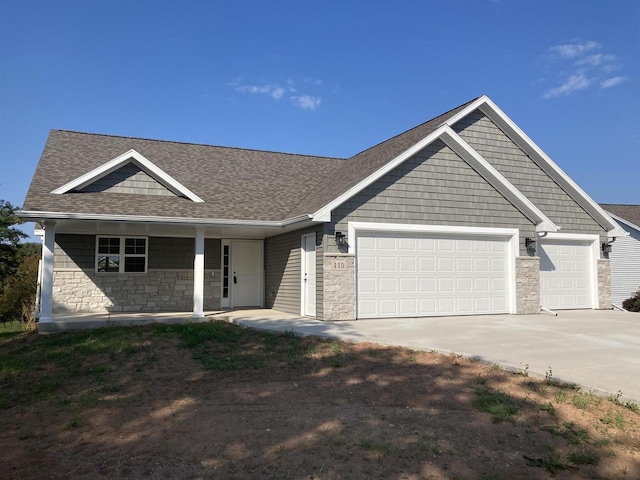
(435, 187)
(501, 152)
(128, 179)
(283, 267)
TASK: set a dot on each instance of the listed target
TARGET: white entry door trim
(593, 242)
(308, 275)
(510, 236)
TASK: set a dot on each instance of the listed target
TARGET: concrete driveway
(599, 350)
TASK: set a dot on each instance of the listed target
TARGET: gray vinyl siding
(434, 187)
(282, 271)
(74, 252)
(78, 252)
(625, 266)
(501, 152)
(128, 179)
(178, 253)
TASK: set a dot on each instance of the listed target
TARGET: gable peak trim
(131, 156)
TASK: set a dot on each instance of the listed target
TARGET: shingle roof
(630, 213)
(234, 183)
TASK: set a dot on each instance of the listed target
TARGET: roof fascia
(41, 216)
(137, 158)
(622, 220)
(498, 181)
(324, 214)
(489, 108)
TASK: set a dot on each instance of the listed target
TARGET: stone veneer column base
(339, 286)
(604, 284)
(527, 285)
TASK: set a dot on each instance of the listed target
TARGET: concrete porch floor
(64, 322)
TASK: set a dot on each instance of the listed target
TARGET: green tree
(10, 238)
(18, 267)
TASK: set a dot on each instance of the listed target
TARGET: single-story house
(625, 253)
(463, 214)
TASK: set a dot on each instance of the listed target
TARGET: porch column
(46, 289)
(198, 275)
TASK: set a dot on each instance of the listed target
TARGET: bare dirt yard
(220, 401)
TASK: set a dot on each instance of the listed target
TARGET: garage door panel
(565, 274)
(430, 274)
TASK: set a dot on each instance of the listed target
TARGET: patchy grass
(217, 400)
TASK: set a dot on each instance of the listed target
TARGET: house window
(225, 271)
(121, 254)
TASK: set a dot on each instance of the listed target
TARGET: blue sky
(322, 77)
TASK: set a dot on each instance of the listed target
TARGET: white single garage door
(565, 274)
(415, 274)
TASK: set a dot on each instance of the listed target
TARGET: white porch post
(46, 302)
(198, 275)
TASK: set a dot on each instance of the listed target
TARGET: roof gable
(130, 157)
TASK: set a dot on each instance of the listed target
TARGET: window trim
(122, 254)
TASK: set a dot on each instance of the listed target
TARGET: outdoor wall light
(340, 239)
(530, 243)
(606, 248)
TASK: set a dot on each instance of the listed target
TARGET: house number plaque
(339, 265)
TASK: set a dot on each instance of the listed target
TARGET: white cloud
(596, 60)
(612, 82)
(572, 84)
(275, 91)
(306, 102)
(572, 50)
(581, 64)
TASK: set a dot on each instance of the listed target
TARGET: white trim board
(131, 156)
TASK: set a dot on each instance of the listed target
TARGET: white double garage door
(465, 272)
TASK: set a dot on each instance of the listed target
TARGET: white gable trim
(324, 214)
(498, 181)
(479, 164)
(626, 222)
(131, 156)
(489, 108)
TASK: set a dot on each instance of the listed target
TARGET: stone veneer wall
(527, 285)
(339, 287)
(77, 290)
(604, 284)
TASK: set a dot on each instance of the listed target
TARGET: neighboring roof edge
(464, 150)
(617, 218)
(127, 157)
(489, 108)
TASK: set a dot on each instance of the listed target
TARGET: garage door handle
(235, 280)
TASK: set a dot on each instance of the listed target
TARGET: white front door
(309, 275)
(246, 273)
(565, 274)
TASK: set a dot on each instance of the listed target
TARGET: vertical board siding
(501, 152)
(625, 266)
(434, 187)
(282, 271)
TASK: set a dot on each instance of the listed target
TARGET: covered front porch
(97, 273)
